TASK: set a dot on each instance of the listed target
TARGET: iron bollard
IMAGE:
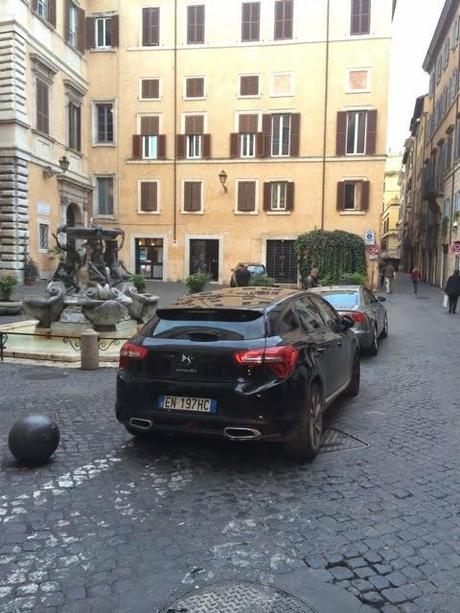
(89, 350)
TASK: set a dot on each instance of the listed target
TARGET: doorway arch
(73, 215)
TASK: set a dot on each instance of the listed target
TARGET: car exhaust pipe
(140, 423)
(241, 434)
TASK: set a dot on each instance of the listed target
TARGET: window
(247, 145)
(282, 84)
(150, 147)
(249, 85)
(250, 21)
(283, 19)
(247, 127)
(358, 80)
(45, 9)
(195, 24)
(149, 129)
(150, 26)
(104, 123)
(192, 196)
(104, 196)
(457, 139)
(194, 128)
(328, 315)
(356, 132)
(282, 320)
(278, 196)
(75, 26)
(353, 195)
(281, 129)
(74, 126)
(246, 196)
(439, 68)
(193, 150)
(310, 319)
(450, 142)
(42, 101)
(360, 17)
(150, 89)
(42, 8)
(432, 83)
(446, 54)
(43, 236)
(194, 87)
(148, 197)
(103, 26)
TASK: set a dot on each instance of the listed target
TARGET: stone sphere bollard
(33, 439)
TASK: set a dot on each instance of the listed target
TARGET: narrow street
(117, 525)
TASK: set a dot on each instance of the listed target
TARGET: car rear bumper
(364, 337)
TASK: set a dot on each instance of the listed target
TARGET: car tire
(373, 348)
(352, 389)
(306, 443)
(384, 333)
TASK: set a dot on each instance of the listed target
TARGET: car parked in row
(245, 363)
(362, 306)
(255, 270)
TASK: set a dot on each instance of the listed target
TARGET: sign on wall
(43, 208)
(455, 248)
(373, 252)
(369, 237)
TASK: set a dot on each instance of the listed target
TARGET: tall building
(390, 231)
(210, 132)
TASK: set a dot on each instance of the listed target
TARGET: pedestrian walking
(415, 278)
(312, 279)
(242, 275)
(389, 273)
(453, 290)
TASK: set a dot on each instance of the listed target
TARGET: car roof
(251, 297)
(336, 288)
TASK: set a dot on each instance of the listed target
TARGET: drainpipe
(326, 94)
(175, 127)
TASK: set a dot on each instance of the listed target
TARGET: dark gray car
(367, 311)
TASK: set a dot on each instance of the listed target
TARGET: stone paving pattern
(106, 524)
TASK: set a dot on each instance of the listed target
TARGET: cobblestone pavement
(116, 525)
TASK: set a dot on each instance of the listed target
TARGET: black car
(245, 363)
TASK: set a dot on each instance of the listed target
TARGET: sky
(413, 28)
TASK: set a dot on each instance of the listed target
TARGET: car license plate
(182, 403)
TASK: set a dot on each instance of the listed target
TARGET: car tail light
(131, 354)
(356, 316)
(281, 360)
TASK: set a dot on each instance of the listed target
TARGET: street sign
(455, 248)
(369, 237)
(373, 252)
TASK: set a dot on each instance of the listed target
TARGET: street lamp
(223, 179)
(48, 172)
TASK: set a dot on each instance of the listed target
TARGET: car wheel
(384, 333)
(353, 387)
(373, 348)
(307, 442)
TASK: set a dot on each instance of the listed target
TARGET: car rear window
(256, 270)
(342, 300)
(207, 324)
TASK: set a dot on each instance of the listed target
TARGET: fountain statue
(90, 288)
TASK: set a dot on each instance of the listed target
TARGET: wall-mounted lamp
(223, 179)
(48, 172)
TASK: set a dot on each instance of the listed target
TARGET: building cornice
(444, 23)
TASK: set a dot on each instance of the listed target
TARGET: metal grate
(337, 440)
(238, 598)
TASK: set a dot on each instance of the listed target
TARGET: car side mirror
(347, 322)
(381, 299)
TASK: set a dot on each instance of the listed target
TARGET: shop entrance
(149, 258)
(204, 257)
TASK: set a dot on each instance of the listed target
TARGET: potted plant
(7, 306)
(139, 283)
(196, 282)
(30, 272)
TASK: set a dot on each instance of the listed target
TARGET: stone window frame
(45, 71)
(139, 188)
(94, 131)
(42, 222)
(105, 175)
(368, 89)
(75, 95)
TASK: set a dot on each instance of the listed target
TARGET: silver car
(367, 311)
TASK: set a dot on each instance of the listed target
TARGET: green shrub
(7, 285)
(139, 283)
(196, 282)
(262, 280)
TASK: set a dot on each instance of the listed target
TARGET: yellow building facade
(390, 221)
(210, 132)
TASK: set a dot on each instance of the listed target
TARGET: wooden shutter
(234, 145)
(150, 88)
(161, 146)
(115, 24)
(341, 133)
(90, 34)
(149, 196)
(365, 192)
(34, 6)
(200, 24)
(194, 124)
(180, 146)
(247, 123)
(150, 27)
(188, 196)
(260, 153)
(340, 195)
(371, 132)
(150, 125)
(360, 17)
(290, 190)
(195, 24)
(137, 146)
(194, 87)
(245, 21)
(66, 21)
(278, 19)
(267, 196)
(267, 131)
(81, 30)
(52, 12)
(206, 146)
(295, 134)
(249, 85)
(246, 196)
(283, 19)
(42, 106)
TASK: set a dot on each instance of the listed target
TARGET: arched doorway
(73, 215)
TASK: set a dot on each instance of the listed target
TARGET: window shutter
(267, 132)
(260, 144)
(180, 146)
(150, 27)
(137, 146)
(290, 190)
(200, 24)
(371, 132)
(234, 142)
(340, 195)
(194, 87)
(90, 32)
(81, 30)
(247, 123)
(34, 6)
(245, 21)
(365, 192)
(162, 146)
(267, 196)
(249, 85)
(116, 33)
(149, 196)
(150, 125)
(194, 124)
(66, 21)
(278, 20)
(187, 196)
(192, 196)
(295, 134)
(246, 196)
(341, 133)
(206, 146)
(42, 106)
(51, 12)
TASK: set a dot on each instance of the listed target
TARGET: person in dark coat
(242, 275)
(453, 290)
(312, 279)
